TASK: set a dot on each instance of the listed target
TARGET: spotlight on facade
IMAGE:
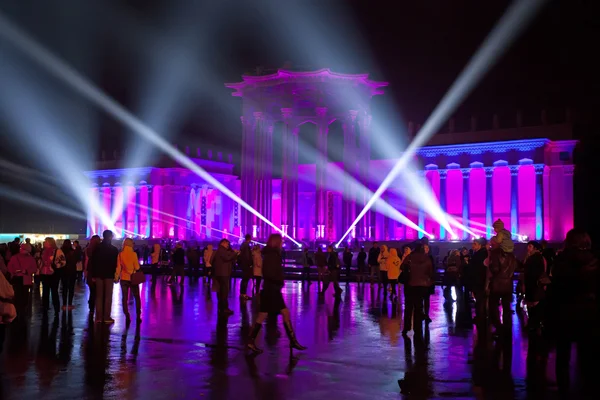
(515, 20)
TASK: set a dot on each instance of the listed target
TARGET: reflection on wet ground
(183, 350)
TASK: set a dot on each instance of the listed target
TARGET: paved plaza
(182, 350)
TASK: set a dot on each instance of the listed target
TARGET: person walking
(393, 270)
(347, 257)
(128, 264)
(573, 304)
(374, 263)
(257, 263)
(431, 291)
(21, 268)
(193, 256)
(53, 260)
(208, 259)
(333, 265)
(479, 282)
(178, 264)
(271, 299)
(245, 264)
(104, 268)
(306, 263)
(93, 244)
(361, 264)
(155, 259)
(69, 276)
(321, 261)
(502, 266)
(420, 276)
(382, 260)
(535, 288)
(223, 264)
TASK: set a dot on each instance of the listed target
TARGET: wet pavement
(182, 350)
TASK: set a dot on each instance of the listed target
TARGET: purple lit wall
(106, 199)
(527, 200)
(130, 201)
(144, 228)
(433, 178)
(117, 211)
(157, 205)
(454, 193)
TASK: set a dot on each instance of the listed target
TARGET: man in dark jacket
(420, 277)
(333, 264)
(502, 269)
(103, 270)
(222, 266)
(478, 273)
(245, 263)
(373, 262)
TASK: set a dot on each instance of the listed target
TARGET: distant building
(523, 176)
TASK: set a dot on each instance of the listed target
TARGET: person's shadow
(417, 380)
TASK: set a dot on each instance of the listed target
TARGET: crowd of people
(558, 290)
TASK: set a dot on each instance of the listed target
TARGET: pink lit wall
(501, 195)
(454, 192)
(117, 210)
(276, 209)
(106, 203)
(433, 178)
(131, 200)
(92, 227)
(143, 211)
(413, 215)
(526, 192)
(477, 198)
(157, 204)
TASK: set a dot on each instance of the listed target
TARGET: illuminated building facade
(522, 175)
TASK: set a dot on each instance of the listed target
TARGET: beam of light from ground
(339, 175)
(25, 198)
(506, 30)
(80, 84)
(41, 129)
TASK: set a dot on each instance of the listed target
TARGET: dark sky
(419, 47)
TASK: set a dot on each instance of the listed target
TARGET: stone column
(443, 175)
(289, 178)
(321, 174)
(137, 219)
(150, 220)
(247, 172)
(514, 201)
(256, 171)
(489, 204)
(350, 162)
(465, 216)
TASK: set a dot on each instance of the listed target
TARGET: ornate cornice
(480, 148)
(322, 75)
(514, 169)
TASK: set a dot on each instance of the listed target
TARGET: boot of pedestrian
(252, 339)
(294, 344)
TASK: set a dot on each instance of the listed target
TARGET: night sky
(419, 48)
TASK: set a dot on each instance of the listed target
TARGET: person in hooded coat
(393, 270)
(271, 298)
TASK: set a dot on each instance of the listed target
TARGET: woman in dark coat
(271, 299)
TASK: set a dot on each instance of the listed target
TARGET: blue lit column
(466, 175)
(539, 202)
(514, 201)
(149, 227)
(489, 200)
